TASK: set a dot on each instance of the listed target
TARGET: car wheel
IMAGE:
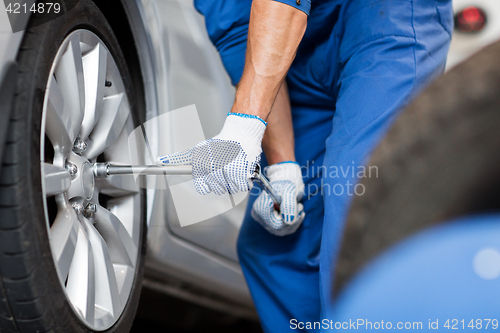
(438, 161)
(71, 246)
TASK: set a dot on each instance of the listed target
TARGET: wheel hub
(82, 178)
(87, 180)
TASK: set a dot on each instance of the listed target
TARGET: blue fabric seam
(244, 115)
(299, 7)
(441, 20)
(392, 35)
(414, 52)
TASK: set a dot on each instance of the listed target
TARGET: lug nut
(78, 208)
(91, 208)
(79, 146)
(72, 169)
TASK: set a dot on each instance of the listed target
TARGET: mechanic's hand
(286, 179)
(226, 162)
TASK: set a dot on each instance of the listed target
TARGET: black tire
(31, 296)
(439, 160)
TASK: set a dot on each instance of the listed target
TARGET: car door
(200, 96)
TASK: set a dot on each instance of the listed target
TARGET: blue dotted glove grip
(292, 212)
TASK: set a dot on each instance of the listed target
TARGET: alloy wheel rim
(93, 224)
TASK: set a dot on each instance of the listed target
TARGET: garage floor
(160, 313)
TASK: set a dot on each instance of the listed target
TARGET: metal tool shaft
(266, 185)
(148, 170)
(103, 170)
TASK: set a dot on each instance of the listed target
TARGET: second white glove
(286, 179)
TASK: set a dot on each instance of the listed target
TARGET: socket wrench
(103, 170)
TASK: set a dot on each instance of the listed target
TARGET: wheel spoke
(58, 121)
(121, 246)
(115, 112)
(81, 278)
(125, 276)
(63, 237)
(124, 208)
(106, 286)
(94, 70)
(56, 180)
(118, 186)
(69, 76)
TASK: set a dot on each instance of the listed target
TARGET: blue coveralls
(359, 63)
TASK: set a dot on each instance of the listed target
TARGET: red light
(470, 19)
(471, 14)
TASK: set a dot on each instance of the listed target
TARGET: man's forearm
(278, 142)
(274, 34)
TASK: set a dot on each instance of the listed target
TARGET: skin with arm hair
(278, 142)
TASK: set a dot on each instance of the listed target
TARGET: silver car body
(181, 67)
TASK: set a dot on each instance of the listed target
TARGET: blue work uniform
(359, 63)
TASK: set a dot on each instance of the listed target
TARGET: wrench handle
(266, 186)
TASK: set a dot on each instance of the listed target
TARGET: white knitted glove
(286, 179)
(226, 162)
